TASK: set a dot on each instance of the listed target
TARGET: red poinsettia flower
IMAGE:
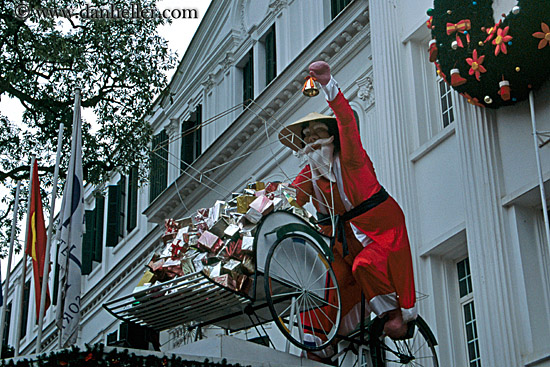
(471, 100)
(501, 39)
(544, 35)
(475, 63)
(89, 357)
(492, 31)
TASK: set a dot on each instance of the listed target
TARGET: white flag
(71, 228)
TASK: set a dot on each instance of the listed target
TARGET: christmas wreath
(491, 64)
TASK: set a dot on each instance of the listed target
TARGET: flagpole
(24, 270)
(8, 271)
(46, 268)
(70, 238)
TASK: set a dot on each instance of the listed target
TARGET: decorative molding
(366, 90)
(277, 5)
(227, 61)
(209, 82)
(173, 127)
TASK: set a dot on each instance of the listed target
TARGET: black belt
(341, 219)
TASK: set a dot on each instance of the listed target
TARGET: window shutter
(55, 284)
(159, 165)
(248, 79)
(98, 235)
(87, 243)
(132, 199)
(270, 56)
(113, 215)
(197, 136)
(121, 201)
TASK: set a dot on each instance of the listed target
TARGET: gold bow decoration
(461, 27)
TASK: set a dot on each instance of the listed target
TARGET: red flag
(36, 245)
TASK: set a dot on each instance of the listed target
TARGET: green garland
(96, 356)
(519, 60)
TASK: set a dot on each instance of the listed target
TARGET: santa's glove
(320, 70)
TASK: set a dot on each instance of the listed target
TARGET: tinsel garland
(462, 27)
(95, 356)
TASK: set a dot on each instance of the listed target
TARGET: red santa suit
(379, 259)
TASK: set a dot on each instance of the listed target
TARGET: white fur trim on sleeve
(331, 89)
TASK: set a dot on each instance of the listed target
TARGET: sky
(178, 34)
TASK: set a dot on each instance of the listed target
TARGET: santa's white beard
(320, 160)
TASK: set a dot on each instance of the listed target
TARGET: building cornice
(340, 40)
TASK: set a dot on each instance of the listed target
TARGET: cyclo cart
(291, 286)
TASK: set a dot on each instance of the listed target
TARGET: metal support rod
(8, 271)
(539, 169)
(49, 242)
(24, 269)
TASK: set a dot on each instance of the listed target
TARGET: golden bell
(309, 89)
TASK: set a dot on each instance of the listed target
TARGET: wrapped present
(218, 228)
(243, 284)
(214, 270)
(177, 250)
(202, 227)
(187, 266)
(248, 265)
(253, 216)
(171, 226)
(154, 266)
(197, 261)
(201, 215)
(174, 271)
(185, 222)
(231, 231)
(193, 240)
(209, 242)
(168, 237)
(247, 246)
(243, 202)
(231, 266)
(225, 281)
(277, 203)
(210, 259)
(262, 204)
(258, 185)
(146, 280)
(271, 187)
(233, 250)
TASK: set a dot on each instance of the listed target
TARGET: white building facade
(465, 177)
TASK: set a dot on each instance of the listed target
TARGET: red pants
(382, 270)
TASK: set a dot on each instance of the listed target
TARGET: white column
(393, 167)
(174, 148)
(487, 242)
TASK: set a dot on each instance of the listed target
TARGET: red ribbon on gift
(176, 250)
(461, 27)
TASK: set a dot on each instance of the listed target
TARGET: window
(25, 315)
(446, 101)
(468, 312)
(191, 140)
(98, 227)
(132, 204)
(270, 55)
(115, 212)
(248, 78)
(336, 6)
(158, 174)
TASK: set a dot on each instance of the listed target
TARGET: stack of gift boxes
(219, 241)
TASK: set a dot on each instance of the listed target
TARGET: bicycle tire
(291, 285)
(419, 350)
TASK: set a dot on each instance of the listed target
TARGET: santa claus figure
(371, 247)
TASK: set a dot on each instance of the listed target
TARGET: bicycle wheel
(419, 350)
(302, 292)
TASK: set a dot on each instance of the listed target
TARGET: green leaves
(119, 65)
